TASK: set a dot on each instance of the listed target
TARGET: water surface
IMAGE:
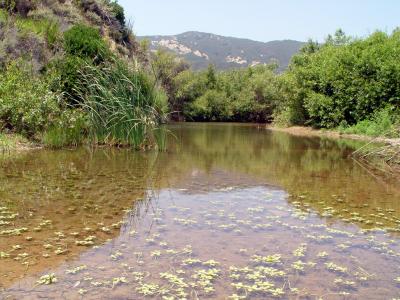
(229, 212)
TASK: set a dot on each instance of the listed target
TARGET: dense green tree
(118, 11)
(236, 95)
(211, 77)
(166, 67)
(346, 80)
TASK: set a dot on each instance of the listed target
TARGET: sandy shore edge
(308, 131)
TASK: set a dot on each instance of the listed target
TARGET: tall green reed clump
(123, 105)
(70, 130)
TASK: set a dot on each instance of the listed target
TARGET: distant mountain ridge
(200, 49)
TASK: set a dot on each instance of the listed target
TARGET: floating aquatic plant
(47, 279)
(148, 289)
(155, 254)
(211, 263)
(185, 222)
(96, 283)
(82, 292)
(335, 268)
(270, 259)
(300, 252)
(48, 246)
(299, 266)
(60, 251)
(236, 297)
(191, 262)
(344, 283)
(174, 280)
(322, 254)
(163, 244)
(116, 255)
(15, 231)
(16, 247)
(118, 280)
(138, 276)
(205, 278)
(76, 270)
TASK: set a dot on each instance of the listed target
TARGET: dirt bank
(308, 131)
(16, 143)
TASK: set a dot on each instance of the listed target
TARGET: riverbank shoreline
(312, 132)
(17, 143)
(10, 142)
(383, 154)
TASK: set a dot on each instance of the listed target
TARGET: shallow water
(229, 212)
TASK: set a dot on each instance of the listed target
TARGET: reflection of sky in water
(230, 241)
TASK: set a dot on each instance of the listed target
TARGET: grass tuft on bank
(384, 123)
(13, 142)
(123, 107)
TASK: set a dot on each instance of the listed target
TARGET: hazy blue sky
(263, 20)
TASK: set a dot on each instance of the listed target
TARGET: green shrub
(166, 67)
(383, 123)
(70, 130)
(212, 106)
(347, 80)
(9, 142)
(3, 15)
(70, 70)
(52, 34)
(118, 11)
(27, 105)
(84, 46)
(48, 29)
(22, 7)
(236, 95)
(290, 109)
(85, 42)
(322, 110)
(94, 18)
(189, 86)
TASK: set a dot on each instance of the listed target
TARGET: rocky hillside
(33, 30)
(73, 73)
(201, 49)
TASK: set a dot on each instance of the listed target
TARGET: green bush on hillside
(76, 89)
(85, 42)
(22, 7)
(48, 29)
(27, 104)
(118, 11)
(70, 70)
(83, 45)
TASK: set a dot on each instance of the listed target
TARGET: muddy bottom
(230, 212)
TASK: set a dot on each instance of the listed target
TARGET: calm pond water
(229, 212)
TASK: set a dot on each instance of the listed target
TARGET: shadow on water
(303, 217)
